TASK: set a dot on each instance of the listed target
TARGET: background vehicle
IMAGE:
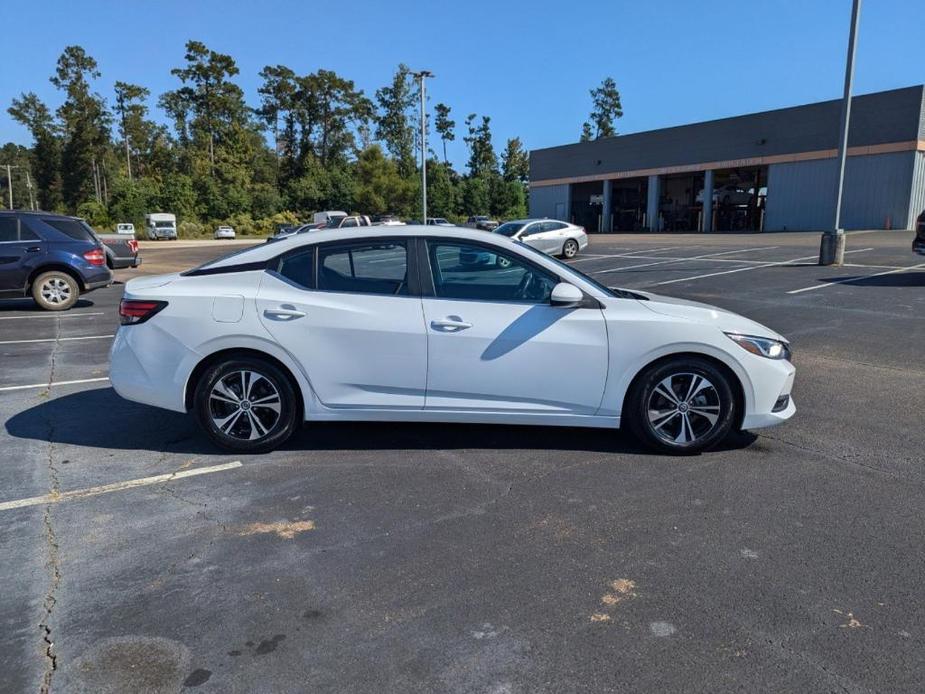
(729, 194)
(482, 222)
(918, 243)
(325, 217)
(51, 257)
(548, 235)
(224, 232)
(125, 228)
(527, 341)
(161, 225)
(348, 222)
(387, 220)
(439, 222)
(121, 251)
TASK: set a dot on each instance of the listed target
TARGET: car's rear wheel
(570, 248)
(681, 406)
(246, 405)
(55, 291)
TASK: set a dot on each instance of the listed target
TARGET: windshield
(508, 229)
(607, 291)
(164, 225)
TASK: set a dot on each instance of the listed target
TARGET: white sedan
(548, 235)
(370, 324)
(224, 232)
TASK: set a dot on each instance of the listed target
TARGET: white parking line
(116, 487)
(54, 315)
(52, 385)
(55, 339)
(751, 267)
(829, 283)
(678, 260)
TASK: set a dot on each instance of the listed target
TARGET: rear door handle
(289, 313)
(452, 324)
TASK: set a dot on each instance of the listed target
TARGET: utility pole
(9, 179)
(29, 189)
(422, 75)
(832, 247)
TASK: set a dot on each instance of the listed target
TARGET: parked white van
(327, 216)
(161, 225)
(125, 228)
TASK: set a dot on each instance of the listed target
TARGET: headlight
(762, 346)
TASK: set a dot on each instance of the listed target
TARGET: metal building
(774, 171)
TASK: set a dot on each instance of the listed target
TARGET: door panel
(495, 343)
(17, 254)
(358, 349)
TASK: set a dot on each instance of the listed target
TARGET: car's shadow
(101, 419)
(28, 304)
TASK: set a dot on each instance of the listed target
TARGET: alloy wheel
(245, 405)
(55, 291)
(570, 250)
(683, 408)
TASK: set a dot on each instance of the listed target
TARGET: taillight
(135, 311)
(95, 257)
(133, 246)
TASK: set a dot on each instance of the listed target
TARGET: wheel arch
(735, 379)
(55, 267)
(236, 352)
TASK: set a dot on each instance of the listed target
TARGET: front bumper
(772, 383)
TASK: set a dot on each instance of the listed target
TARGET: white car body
(729, 194)
(327, 216)
(547, 235)
(161, 225)
(421, 358)
(224, 232)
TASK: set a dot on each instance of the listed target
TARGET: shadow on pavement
(897, 279)
(27, 304)
(101, 419)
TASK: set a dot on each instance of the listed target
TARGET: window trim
(431, 292)
(414, 285)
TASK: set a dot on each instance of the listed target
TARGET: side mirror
(565, 295)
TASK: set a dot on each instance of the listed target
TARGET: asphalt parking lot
(426, 558)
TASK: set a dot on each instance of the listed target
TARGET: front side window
(364, 267)
(477, 273)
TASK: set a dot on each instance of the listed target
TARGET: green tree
(46, 150)
(276, 102)
(587, 134)
(393, 123)
(132, 124)
(482, 158)
(607, 108)
(380, 188)
(515, 163)
(85, 124)
(444, 126)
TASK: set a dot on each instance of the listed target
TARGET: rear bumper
(918, 246)
(122, 263)
(97, 280)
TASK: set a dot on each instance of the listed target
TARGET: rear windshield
(74, 228)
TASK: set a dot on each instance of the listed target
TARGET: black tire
(55, 291)
(570, 248)
(665, 432)
(234, 435)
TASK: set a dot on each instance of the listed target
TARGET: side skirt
(463, 417)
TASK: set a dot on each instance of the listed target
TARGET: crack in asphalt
(51, 540)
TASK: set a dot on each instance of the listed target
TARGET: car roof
(39, 213)
(271, 250)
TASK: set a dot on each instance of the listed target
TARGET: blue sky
(529, 65)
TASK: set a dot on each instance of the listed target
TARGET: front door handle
(33, 249)
(451, 324)
(287, 313)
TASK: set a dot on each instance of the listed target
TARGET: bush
(191, 230)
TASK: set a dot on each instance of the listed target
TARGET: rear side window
(74, 228)
(364, 267)
(9, 229)
(299, 268)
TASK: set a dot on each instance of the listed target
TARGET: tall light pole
(422, 75)
(9, 179)
(832, 247)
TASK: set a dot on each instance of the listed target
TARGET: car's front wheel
(246, 405)
(55, 291)
(681, 406)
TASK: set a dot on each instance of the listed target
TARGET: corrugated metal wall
(550, 201)
(917, 204)
(801, 194)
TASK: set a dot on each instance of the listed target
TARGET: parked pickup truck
(121, 251)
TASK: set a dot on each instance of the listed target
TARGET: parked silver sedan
(548, 235)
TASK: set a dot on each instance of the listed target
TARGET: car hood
(697, 312)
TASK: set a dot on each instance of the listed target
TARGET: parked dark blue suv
(50, 256)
